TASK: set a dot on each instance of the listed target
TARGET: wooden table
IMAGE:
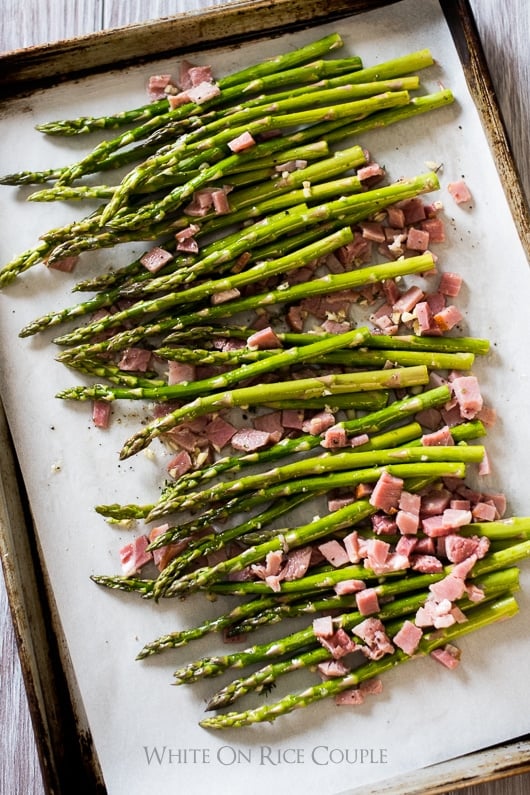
(505, 31)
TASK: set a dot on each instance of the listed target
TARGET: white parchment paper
(146, 731)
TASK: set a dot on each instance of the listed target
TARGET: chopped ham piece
(241, 142)
(220, 201)
(408, 300)
(449, 656)
(249, 439)
(334, 552)
(101, 413)
(135, 359)
(156, 86)
(271, 423)
(459, 191)
(133, 555)
(180, 464)
(426, 564)
(484, 512)
(407, 523)
(387, 492)
(448, 317)
(296, 563)
(450, 284)
(155, 258)
(351, 545)
(318, 423)
(349, 586)
(176, 100)
(323, 627)
(180, 373)
(467, 393)
(292, 418)
(339, 644)
(264, 339)
(202, 92)
(198, 75)
(371, 230)
(349, 698)
(453, 518)
(370, 172)
(372, 632)
(66, 264)
(449, 588)
(396, 217)
(163, 555)
(417, 239)
(413, 209)
(408, 637)
(440, 437)
(332, 668)
(367, 602)
(436, 229)
(224, 296)
(335, 437)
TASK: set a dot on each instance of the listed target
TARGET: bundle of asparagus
(297, 194)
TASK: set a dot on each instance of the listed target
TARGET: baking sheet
(145, 732)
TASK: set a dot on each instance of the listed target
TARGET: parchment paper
(146, 731)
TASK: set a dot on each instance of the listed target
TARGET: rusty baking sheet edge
(41, 647)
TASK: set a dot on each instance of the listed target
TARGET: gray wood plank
(505, 32)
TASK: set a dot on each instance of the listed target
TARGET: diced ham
(349, 586)
(270, 423)
(371, 230)
(359, 439)
(417, 239)
(372, 632)
(467, 393)
(396, 216)
(449, 656)
(335, 437)
(65, 264)
(484, 512)
(332, 668)
(263, 340)
(408, 300)
(459, 191)
(349, 698)
(453, 518)
(296, 563)
(450, 588)
(334, 552)
(156, 86)
(224, 296)
(436, 229)
(413, 209)
(450, 284)
(448, 317)
(371, 687)
(367, 602)
(180, 373)
(203, 92)
(163, 555)
(408, 637)
(351, 545)
(383, 525)
(179, 464)
(440, 437)
(426, 564)
(292, 419)
(198, 75)
(219, 432)
(220, 201)
(249, 439)
(135, 360)
(339, 644)
(387, 492)
(241, 142)
(323, 626)
(133, 555)
(101, 410)
(189, 245)
(372, 171)
(155, 259)
(318, 423)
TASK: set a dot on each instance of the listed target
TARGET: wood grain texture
(504, 29)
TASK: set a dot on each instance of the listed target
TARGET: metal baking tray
(67, 751)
